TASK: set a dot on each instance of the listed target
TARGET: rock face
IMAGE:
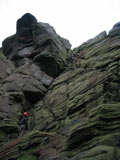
(39, 43)
(6, 67)
(30, 60)
(73, 114)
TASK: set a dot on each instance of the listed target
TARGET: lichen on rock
(74, 109)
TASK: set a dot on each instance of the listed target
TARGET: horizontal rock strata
(74, 109)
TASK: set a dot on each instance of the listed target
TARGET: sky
(75, 20)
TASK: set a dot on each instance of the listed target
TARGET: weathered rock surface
(37, 42)
(73, 114)
(6, 67)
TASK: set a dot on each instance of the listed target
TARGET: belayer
(23, 124)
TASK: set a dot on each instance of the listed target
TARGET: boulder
(115, 31)
(29, 80)
(39, 43)
(25, 21)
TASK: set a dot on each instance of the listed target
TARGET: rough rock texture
(73, 113)
(6, 67)
(30, 60)
(37, 42)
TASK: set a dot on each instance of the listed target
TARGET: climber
(23, 124)
(72, 59)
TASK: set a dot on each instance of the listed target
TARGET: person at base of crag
(24, 124)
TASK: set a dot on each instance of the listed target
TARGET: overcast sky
(76, 20)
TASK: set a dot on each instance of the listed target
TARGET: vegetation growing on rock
(74, 109)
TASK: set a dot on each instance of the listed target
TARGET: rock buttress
(78, 114)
